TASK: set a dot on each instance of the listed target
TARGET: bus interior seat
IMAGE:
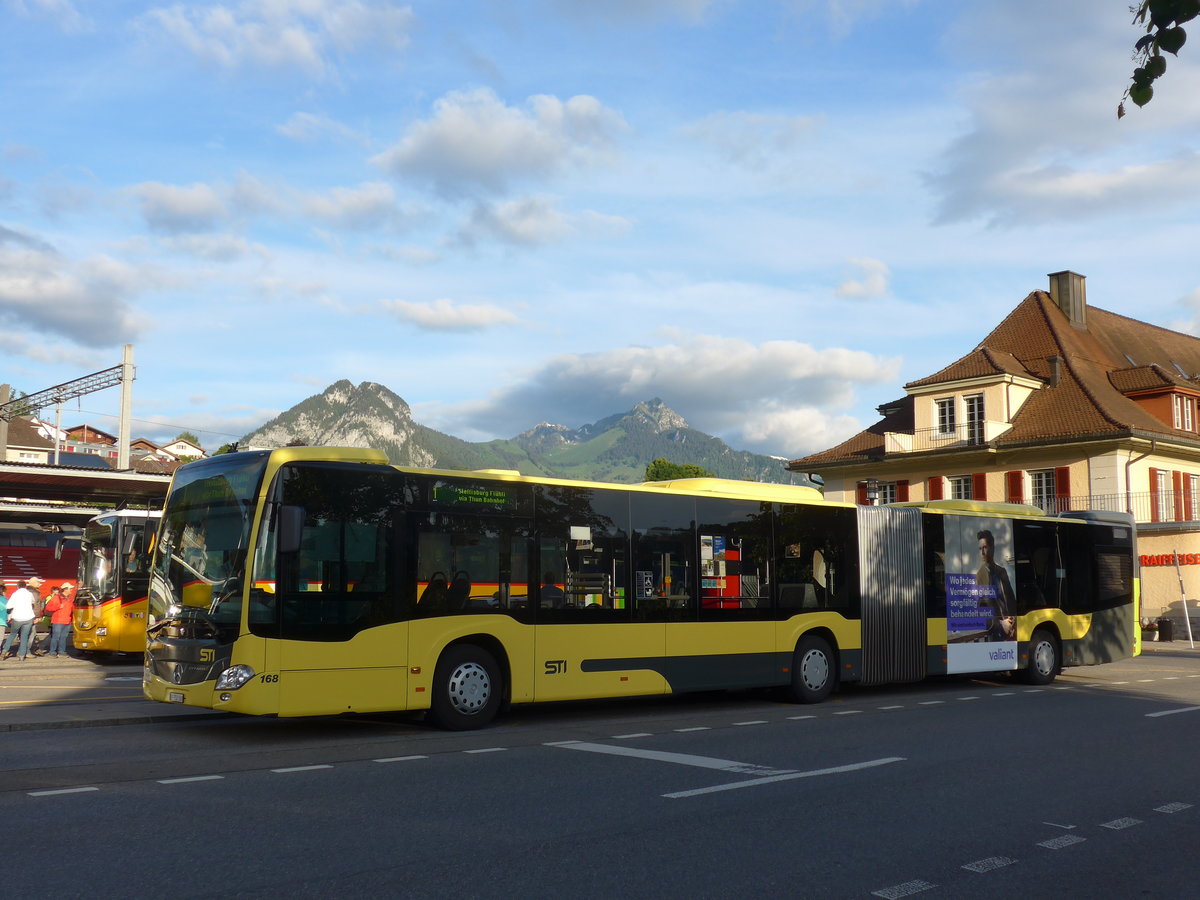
(459, 591)
(434, 595)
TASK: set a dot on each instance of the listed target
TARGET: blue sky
(770, 214)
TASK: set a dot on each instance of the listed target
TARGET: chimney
(1055, 370)
(1068, 290)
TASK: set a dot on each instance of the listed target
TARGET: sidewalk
(45, 692)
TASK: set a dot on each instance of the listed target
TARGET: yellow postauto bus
(109, 614)
(316, 581)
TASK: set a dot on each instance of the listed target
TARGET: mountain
(617, 448)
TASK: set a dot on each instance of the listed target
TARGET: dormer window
(1181, 412)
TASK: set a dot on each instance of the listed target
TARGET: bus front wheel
(814, 670)
(467, 689)
(1044, 661)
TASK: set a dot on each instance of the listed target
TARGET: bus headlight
(234, 677)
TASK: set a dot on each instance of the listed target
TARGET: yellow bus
(315, 581)
(109, 613)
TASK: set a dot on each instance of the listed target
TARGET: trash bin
(1166, 630)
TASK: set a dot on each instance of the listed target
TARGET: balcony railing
(1166, 507)
(971, 434)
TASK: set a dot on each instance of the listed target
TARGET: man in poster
(1002, 600)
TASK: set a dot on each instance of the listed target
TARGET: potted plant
(1149, 631)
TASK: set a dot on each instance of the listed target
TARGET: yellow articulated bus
(316, 581)
(114, 565)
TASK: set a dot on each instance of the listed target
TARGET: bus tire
(467, 689)
(814, 670)
(1044, 659)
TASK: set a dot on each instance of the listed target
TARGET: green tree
(1163, 20)
(662, 469)
(189, 437)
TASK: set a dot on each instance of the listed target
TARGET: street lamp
(872, 491)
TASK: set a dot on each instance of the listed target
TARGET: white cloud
(173, 209)
(283, 34)
(528, 222)
(215, 247)
(871, 280)
(688, 11)
(475, 142)
(720, 385)
(370, 205)
(1044, 143)
(62, 12)
(844, 15)
(308, 128)
(86, 301)
(756, 141)
(445, 315)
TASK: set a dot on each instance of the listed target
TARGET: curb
(146, 719)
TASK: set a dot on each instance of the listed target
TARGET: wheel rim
(470, 688)
(1043, 657)
(814, 670)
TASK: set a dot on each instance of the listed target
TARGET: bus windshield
(98, 570)
(201, 552)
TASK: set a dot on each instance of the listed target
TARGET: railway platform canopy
(62, 495)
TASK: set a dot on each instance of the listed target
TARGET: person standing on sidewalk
(21, 620)
(59, 608)
(3, 611)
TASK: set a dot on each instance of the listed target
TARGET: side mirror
(289, 528)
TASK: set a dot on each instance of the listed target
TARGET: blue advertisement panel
(980, 603)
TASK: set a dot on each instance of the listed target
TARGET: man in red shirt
(58, 605)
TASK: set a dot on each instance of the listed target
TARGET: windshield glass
(201, 553)
(97, 564)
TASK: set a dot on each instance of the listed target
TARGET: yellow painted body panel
(110, 627)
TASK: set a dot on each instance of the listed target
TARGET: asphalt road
(950, 788)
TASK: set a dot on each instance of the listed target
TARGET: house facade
(1062, 406)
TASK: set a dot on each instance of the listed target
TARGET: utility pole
(69, 390)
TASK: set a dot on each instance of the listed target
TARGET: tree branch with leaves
(1163, 21)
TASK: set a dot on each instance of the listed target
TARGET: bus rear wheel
(467, 689)
(1044, 663)
(814, 670)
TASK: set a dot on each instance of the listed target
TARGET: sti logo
(556, 666)
(207, 654)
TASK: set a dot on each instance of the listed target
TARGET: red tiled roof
(1113, 355)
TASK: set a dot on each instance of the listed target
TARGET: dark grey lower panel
(729, 671)
(706, 673)
(1110, 638)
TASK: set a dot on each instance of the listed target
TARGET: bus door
(336, 602)
(892, 591)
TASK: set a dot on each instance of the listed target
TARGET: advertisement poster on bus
(980, 602)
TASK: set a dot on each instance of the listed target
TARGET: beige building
(1064, 406)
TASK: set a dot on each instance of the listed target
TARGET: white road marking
(968, 698)
(302, 768)
(637, 734)
(1059, 842)
(1003, 694)
(190, 779)
(798, 718)
(1118, 824)
(772, 779)
(754, 722)
(989, 864)
(487, 750)
(78, 790)
(697, 728)
(1172, 807)
(391, 759)
(891, 707)
(931, 702)
(903, 890)
(847, 712)
(1171, 712)
(1056, 825)
(681, 759)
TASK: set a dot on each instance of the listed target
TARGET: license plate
(174, 696)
